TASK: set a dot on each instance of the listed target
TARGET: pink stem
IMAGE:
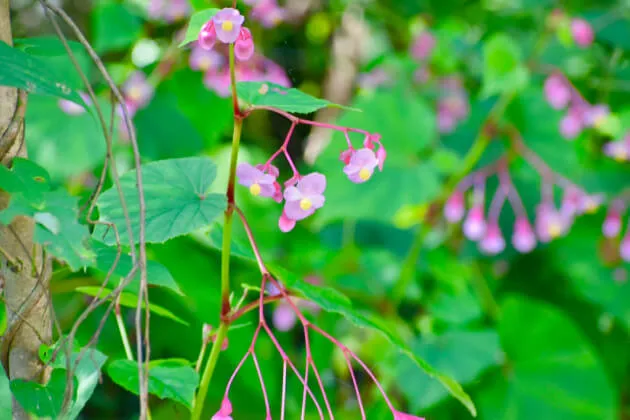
(356, 386)
(262, 384)
(287, 139)
(284, 388)
(305, 388)
(250, 236)
(309, 359)
(238, 368)
(496, 205)
(291, 164)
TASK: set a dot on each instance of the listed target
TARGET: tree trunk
(24, 270)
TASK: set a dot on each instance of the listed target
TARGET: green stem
(484, 293)
(208, 372)
(123, 330)
(200, 398)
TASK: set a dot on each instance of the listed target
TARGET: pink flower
(204, 59)
(169, 10)
(571, 124)
(260, 181)
(492, 242)
(304, 198)
(549, 223)
(138, 91)
(207, 35)
(225, 412)
(618, 150)
(624, 248)
(398, 415)
(454, 208)
(595, 115)
(422, 46)
(218, 81)
(360, 166)
(227, 24)
(244, 46)
(557, 91)
(475, 223)
(582, 31)
(267, 12)
(523, 238)
(73, 108)
(284, 317)
(285, 224)
(612, 223)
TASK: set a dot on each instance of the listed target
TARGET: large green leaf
(87, 374)
(279, 97)
(195, 24)
(333, 301)
(5, 396)
(157, 274)
(30, 73)
(42, 400)
(65, 145)
(115, 26)
(176, 193)
(130, 300)
(552, 371)
(503, 70)
(463, 355)
(170, 379)
(55, 212)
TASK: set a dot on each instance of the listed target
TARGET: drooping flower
(523, 237)
(260, 181)
(557, 91)
(422, 46)
(624, 247)
(244, 46)
(204, 59)
(582, 32)
(138, 91)
(454, 208)
(305, 197)
(227, 24)
(492, 242)
(571, 124)
(225, 412)
(549, 222)
(619, 149)
(285, 224)
(284, 317)
(360, 166)
(475, 224)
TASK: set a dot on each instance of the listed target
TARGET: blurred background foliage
(538, 336)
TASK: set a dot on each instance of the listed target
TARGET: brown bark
(24, 269)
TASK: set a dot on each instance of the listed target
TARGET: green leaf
(177, 197)
(554, 373)
(333, 301)
(130, 300)
(66, 145)
(115, 26)
(197, 21)
(42, 400)
(279, 97)
(503, 67)
(157, 274)
(168, 379)
(6, 411)
(87, 375)
(463, 355)
(29, 73)
(55, 212)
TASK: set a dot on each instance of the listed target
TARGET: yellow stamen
(135, 93)
(591, 206)
(254, 189)
(555, 229)
(365, 174)
(305, 204)
(227, 25)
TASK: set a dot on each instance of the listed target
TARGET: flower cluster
(215, 66)
(619, 149)
(267, 12)
(560, 94)
(304, 194)
(169, 10)
(227, 27)
(551, 221)
(453, 106)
